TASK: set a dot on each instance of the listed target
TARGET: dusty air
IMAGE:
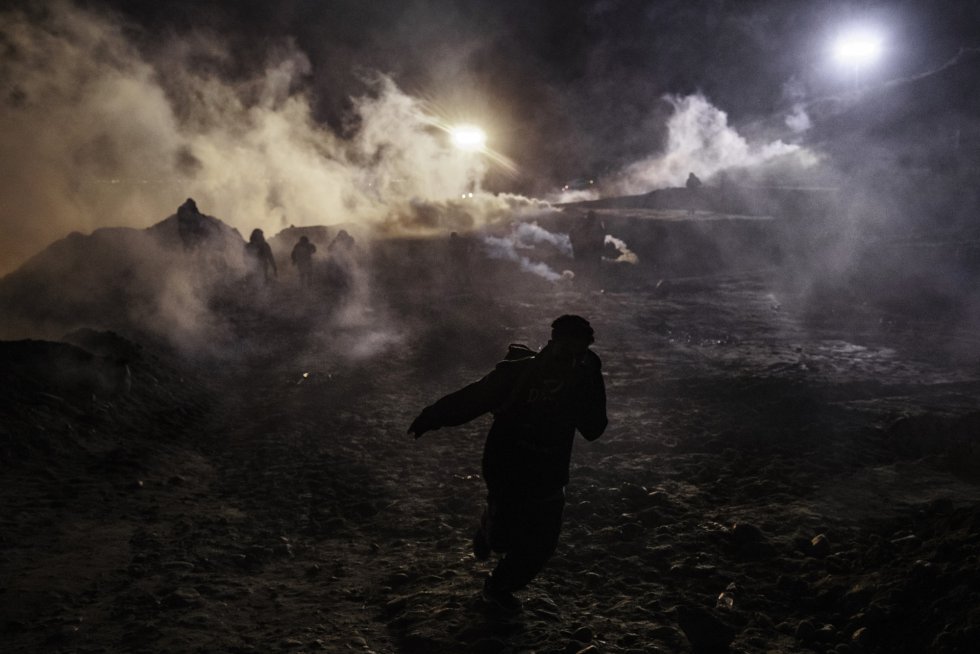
(571, 328)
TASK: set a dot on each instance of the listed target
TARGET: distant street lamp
(857, 51)
(468, 137)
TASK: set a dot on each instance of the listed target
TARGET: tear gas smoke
(529, 235)
(524, 239)
(798, 120)
(99, 133)
(625, 254)
(701, 140)
(419, 215)
(570, 196)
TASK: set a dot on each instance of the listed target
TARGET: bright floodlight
(857, 49)
(468, 137)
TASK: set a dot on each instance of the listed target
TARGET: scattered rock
(630, 531)
(819, 546)
(706, 633)
(805, 631)
(180, 566)
(826, 634)
(744, 532)
(489, 646)
(182, 597)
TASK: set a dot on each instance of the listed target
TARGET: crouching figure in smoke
(538, 401)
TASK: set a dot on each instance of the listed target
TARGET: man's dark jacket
(538, 402)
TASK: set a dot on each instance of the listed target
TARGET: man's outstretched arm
(463, 405)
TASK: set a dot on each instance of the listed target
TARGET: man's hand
(423, 423)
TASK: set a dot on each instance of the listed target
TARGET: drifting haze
(522, 243)
(100, 133)
(115, 122)
(97, 134)
(700, 140)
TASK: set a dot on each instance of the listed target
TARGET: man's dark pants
(526, 532)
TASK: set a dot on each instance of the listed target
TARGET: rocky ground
(769, 482)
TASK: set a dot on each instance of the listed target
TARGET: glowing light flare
(468, 137)
(858, 49)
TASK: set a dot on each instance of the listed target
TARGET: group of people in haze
(261, 262)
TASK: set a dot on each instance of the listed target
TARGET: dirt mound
(158, 280)
(63, 404)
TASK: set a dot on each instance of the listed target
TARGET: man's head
(573, 331)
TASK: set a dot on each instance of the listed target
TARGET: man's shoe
(502, 601)
(481, 545)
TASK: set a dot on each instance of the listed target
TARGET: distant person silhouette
(340, 265)
(302, 257)
(588, 237)
(191, 225)
(260, 255)
(341, 243)
(693, 185)
(538, 400)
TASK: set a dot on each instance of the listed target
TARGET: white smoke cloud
(626, 255)
(97, 133)
(522, 241)
(573, 195)
(529, 235)
(799, 120)
(463, 213)
(700, 140)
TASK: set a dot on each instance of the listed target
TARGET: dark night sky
(570, 87)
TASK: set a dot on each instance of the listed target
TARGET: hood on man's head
(573, 327)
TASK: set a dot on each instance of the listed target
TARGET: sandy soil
(768, 482)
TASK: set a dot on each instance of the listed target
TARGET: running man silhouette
(302, 258)
(538, 401)
(259, 256)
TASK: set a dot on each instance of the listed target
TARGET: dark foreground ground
(769, 479)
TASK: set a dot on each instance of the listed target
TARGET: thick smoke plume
(99, 133)
(700, 140)
(524, 241)
(625, 255)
